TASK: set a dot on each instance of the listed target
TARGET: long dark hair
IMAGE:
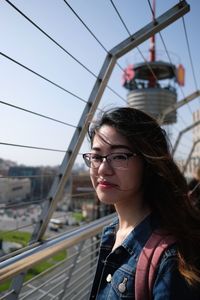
(165, 187)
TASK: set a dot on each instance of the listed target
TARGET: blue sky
(21, 41)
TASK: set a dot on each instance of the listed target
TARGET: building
(41, 179)
(83, 196)
(194, 160)
(5, 165)
(195, 155)
(196, 136)
(14, 190)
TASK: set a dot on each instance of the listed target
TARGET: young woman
(131, 168)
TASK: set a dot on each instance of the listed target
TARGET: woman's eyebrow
(120, 147)
(112, 147)
(96, 148)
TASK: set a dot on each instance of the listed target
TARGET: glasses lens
(95, 160)
(118, 160)
(86, 158)
(92, 160)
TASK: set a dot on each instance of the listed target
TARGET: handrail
(23, 261)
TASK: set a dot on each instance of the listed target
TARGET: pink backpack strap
(147, 263)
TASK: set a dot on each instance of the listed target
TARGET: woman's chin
(107, 200)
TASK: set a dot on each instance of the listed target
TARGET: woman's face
(115, 185)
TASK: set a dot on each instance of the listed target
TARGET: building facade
(194, 159)
(14, 190)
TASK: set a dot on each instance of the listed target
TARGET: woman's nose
(105, 167)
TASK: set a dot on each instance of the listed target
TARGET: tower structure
(152, 84)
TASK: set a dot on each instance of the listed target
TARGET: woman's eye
(119, 157)
(96, 157)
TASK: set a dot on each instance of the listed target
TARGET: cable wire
(90, 31)
(41, 76)
(37, 114)
(129, 33)
(32, 147)
(48, 36)
(115, 8)
(189, 52)
(61, 47)
(27, 176)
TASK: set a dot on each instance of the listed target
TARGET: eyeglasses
(115, 160)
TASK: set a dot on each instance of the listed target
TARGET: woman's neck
(127, 222)
(131, 217)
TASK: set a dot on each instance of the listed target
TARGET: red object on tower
(180, 75)
(128, 74)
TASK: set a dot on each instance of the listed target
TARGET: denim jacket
(115, 274)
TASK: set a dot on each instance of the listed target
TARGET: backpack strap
(147, 263)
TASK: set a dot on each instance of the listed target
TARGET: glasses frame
(106, 157)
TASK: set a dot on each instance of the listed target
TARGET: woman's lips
(106, 184)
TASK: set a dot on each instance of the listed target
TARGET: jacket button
(123, 285)
(109, 278)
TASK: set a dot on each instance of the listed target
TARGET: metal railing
(69, 279)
